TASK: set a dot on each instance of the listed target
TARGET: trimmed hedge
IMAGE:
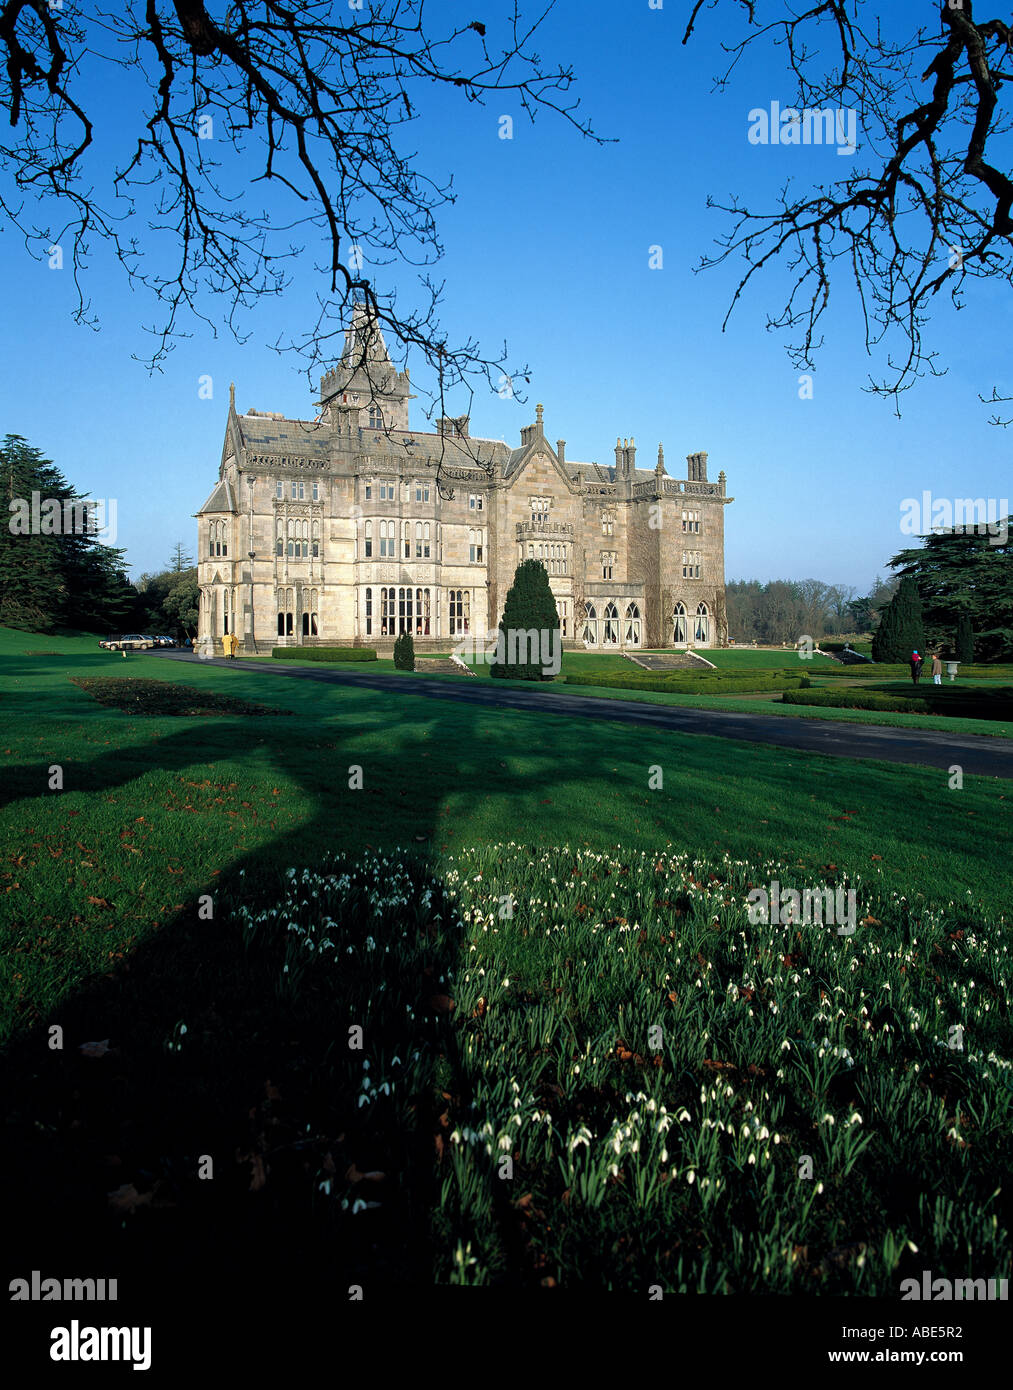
(679, 683)
(323, 654)
(883, 671)
(964, 705)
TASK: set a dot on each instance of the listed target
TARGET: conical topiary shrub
(900, 631)
(529, 645)
(404, 653)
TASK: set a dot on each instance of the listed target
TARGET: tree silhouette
(919, 208)
(311, 100)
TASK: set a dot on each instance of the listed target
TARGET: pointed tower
(365, 382)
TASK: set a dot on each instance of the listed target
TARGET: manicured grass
(154, 809)
(748, 660)
(153, 865)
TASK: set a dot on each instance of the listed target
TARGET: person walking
(937, 669)
(916, 667)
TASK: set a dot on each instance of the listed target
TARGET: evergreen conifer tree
(900, 632)
(529, 628)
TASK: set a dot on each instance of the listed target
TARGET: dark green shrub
(965, 639)
(323, 654)
(529, 618)
(900, 632)
(404, 653)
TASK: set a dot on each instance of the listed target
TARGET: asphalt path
(975, 754)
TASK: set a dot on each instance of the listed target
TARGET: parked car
(131, 642)
(161, 640)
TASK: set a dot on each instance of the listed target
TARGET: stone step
(432, 665)
(669, 661)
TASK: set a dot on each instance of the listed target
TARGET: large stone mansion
(334, 531)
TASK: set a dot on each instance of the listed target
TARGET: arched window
(633, 626)
(702, 628)
(369, 612)
(407, 533)
(387, 613)
(591, 626)
(679, 624)
(316, 538)
(290, 550)
(369, 539)
(404, 610)
(610, 635)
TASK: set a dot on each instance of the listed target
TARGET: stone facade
(335, 532)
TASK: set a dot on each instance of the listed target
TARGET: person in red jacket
(916, 667)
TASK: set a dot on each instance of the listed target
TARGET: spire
(661, 460)
(538, 417)
(232, 395)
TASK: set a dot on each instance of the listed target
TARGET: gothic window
(421, 492)
(561, 607)
(388, 538)
(426, 543)
(388, 599)
(422, 612)
(316, 538)
(610, 635)
(702, 627)
(404, 610)
(691, 521)
(608, 559)
(369, 538)
(279, 548)
(540, 510)
(591, 626)
(633, 626)
(679, 624)
(460, 611)
(691, 564)
(607, 523)
(369, 612)
(375, 417)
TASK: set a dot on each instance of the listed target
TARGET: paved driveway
(975, 754)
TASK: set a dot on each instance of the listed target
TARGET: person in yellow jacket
(229, 644)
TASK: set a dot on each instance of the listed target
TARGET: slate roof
(221, 500)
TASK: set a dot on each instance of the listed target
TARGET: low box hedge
(323, 654)
(960, 705)
(679, 683)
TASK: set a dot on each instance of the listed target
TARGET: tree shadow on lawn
(256, 1067)
(255, 1080)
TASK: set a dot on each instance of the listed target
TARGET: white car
(131, 642)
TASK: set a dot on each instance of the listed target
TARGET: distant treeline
(784, 610)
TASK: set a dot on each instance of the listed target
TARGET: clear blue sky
(547, 246)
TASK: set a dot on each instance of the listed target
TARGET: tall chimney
(561, 450)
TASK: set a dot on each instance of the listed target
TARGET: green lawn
(154, 809)
(148, 903)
